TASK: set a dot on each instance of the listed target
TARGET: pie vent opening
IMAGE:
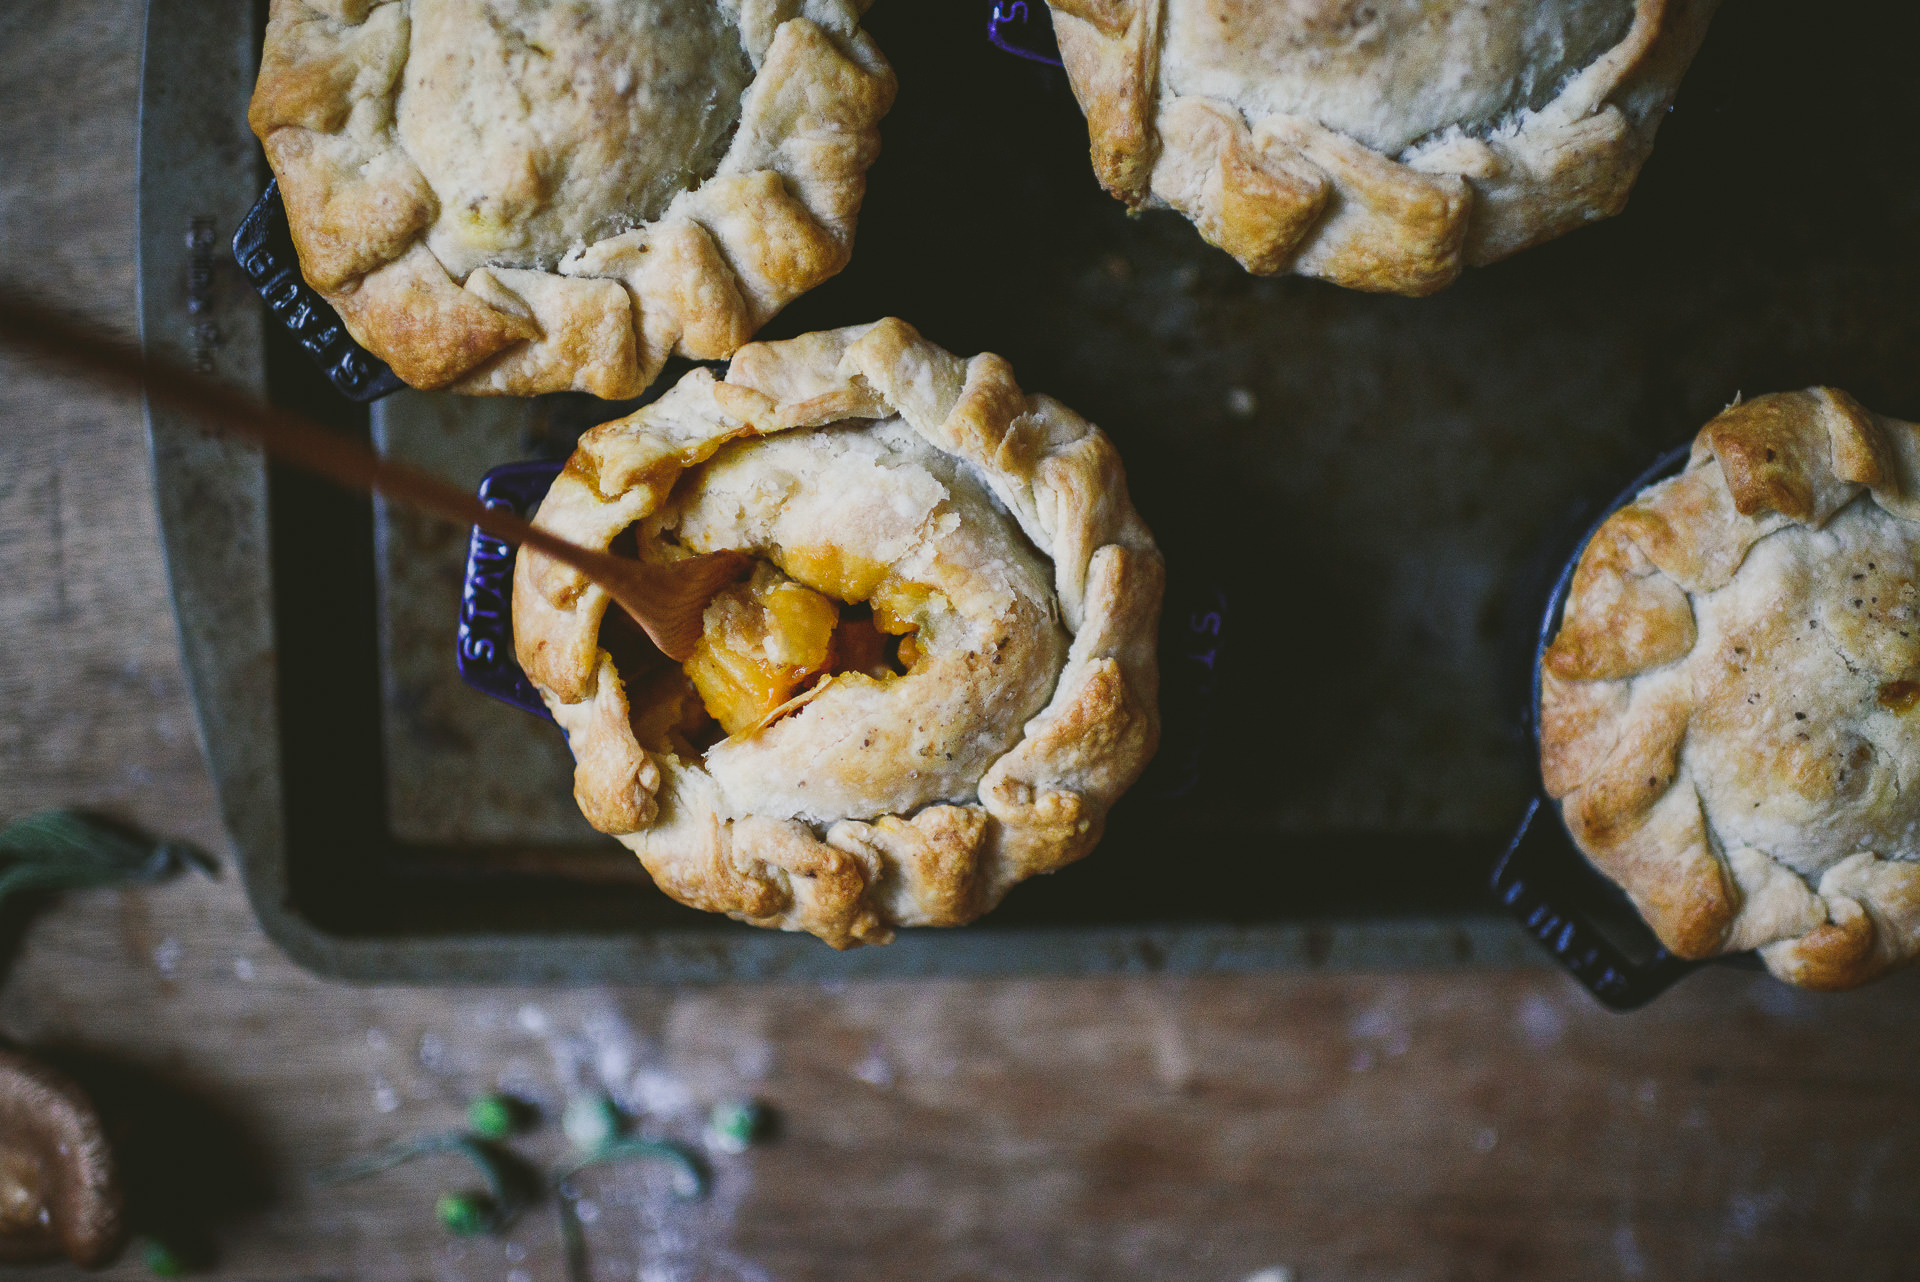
(770, 642)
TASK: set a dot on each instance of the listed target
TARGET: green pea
(163, 1261)
(733, 1125)
(591, 1122)
(464, 1214)
(492, 1117)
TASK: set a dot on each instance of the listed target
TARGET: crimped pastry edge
(1615, 703)
(1040, 806)
(1286, 194)
(776, 218)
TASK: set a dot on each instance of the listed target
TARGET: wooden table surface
(1475, 1124)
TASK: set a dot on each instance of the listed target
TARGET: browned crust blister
(774, 221)
(1618, 700)
(1039, 806)
(1284, 193)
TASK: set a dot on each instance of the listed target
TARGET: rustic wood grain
(1477, 1125)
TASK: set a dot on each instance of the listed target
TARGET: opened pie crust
(1730, 713)
(1379, 144)
(864, 468)
(508, 197)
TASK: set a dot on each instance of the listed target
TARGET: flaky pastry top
(872, 466)
(1730, 711)
(508, 197)
(1381, 145)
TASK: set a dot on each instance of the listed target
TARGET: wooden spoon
(665, 600)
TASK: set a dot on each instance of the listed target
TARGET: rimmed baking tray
(1363, 497)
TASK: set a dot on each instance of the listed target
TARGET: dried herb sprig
(67, 850)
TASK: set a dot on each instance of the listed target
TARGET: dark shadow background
(1375, 521)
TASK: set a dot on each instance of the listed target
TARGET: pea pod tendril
(690, 1178)
(503, 1200)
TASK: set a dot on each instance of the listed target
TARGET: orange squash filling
(771, 639)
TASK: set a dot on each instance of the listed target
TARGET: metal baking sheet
(1362, 496)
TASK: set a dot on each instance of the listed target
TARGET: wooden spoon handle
(293, 438)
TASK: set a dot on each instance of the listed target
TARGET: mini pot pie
(1378, 144)
(1730, 712)
(509, 197)
(937, 676)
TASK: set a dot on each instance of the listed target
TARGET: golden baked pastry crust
(1305, 136)
(1728, 712)
(866, 463)
(566, 242)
